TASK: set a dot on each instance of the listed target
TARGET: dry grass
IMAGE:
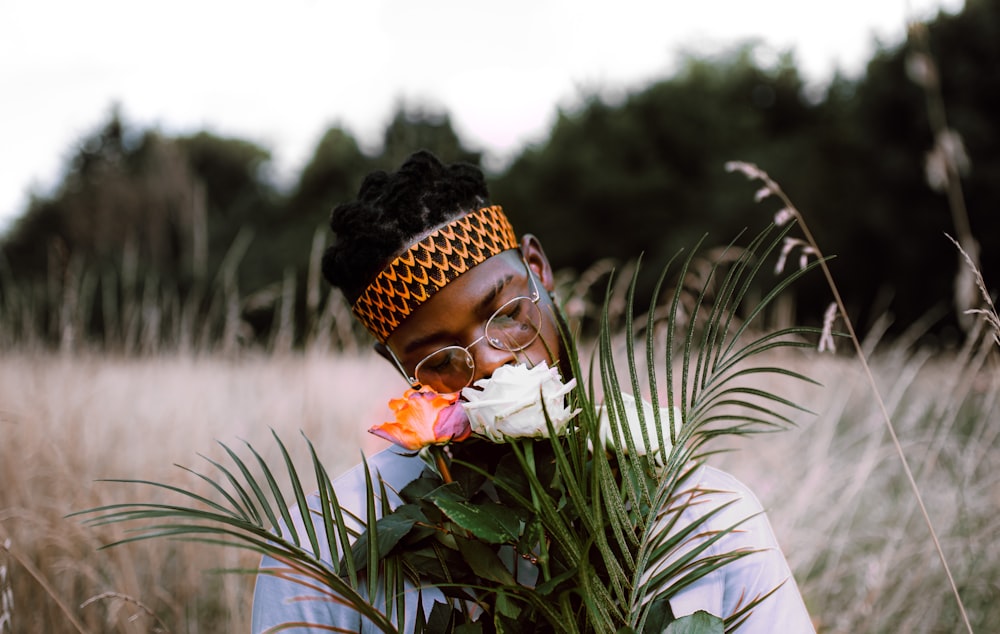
(833, 487)
(68, 421)
(845, 513)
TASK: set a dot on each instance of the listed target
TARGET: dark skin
(457, 314)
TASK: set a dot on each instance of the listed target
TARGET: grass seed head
(6, 593)
(826, 341)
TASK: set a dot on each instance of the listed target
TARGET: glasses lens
(515, 325)
(447, 370)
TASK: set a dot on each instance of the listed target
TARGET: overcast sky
(281, 72)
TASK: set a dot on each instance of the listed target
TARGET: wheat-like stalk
(39, 578)
(989, 310)
(785, 214)
(6, 592)
(944, 167)
(159, 628)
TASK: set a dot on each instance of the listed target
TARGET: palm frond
(254, 516)
(613, 533)
(715, 351)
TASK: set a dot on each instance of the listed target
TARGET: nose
(488, 359)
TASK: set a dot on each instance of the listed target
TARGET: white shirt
(721, 592)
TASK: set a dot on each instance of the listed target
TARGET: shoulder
(732, 508)
(351, 491)
(730, 503)
(281, 599)
(395, 469)
(388, 464)
(712, 478)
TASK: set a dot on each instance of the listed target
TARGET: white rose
(648, 444)
(509, 403)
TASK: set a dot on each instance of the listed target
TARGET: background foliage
(197, 226)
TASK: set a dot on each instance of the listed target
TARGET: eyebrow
(481, 307)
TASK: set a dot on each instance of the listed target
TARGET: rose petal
(399, 434)
(417, 417)
(452, 424)
(510, 402)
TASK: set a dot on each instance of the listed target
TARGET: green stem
(529, 457)
(442, 463)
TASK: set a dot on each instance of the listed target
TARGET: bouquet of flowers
(549, 503)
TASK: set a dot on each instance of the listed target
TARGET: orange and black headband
(429, 265)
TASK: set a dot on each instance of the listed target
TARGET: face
(457, 315)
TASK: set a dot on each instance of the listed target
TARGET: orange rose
(424, 417)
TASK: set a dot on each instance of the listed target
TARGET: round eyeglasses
(511, 328)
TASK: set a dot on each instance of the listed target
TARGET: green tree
(647, 175)
(893, 224)
(122, 187)
(415, 128)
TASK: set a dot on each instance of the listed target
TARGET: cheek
(549, 343)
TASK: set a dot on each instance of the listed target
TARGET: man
(436, 274)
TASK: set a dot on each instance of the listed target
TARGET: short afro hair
(391, 210)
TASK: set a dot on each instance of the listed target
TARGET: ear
(534, 255)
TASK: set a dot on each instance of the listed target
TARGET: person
(435, 272)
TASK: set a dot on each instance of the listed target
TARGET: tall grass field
(832, 486)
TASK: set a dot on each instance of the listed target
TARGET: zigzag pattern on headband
(429, 265)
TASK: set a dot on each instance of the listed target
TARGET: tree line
(643, 174)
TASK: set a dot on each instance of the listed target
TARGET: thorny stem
(754, 172)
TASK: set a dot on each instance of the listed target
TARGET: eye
(447, 370)
(511, 311)
(450, 360)
(439, 361)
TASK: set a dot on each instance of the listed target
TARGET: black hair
(393, 208)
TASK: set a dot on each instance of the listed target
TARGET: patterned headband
(429, 265)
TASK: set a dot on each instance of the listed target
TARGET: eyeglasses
(512, 328)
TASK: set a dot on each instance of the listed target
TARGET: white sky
(281, 72)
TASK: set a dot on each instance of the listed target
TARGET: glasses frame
(534, 299)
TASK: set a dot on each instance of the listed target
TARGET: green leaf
(550, 586)
(484, 561)
(700, 622)
(389, 530)
(507, 608)
(531, 538)
(659, 615)
(442, 618)
(489, 522)
(506, 625)
(417, 489)
(510, 477)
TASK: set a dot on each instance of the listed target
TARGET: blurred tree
(647, 175)
(417, 128)
(139, 213)
(238, 196)
(122, 187)
(238, 184)
(893, 222)
(331, 176)
(612, 180)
